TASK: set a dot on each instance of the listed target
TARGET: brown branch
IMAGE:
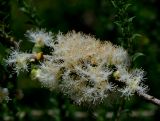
(8, 41)
(149, 98)
(144, 96)
(5, 38)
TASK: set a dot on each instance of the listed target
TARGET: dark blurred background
(95, 17)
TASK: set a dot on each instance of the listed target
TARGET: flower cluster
(82, 67)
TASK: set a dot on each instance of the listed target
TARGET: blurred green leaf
(135, 36)
(131, 19)
(137, 55)
(113, 3)
(127, 6)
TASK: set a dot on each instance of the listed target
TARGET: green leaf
(135, 36)
(118, 23)
(127, 6)
(113, 3)
(131, 19)
(23, 9)
(137, 55)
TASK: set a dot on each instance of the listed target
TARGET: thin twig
(143, 95)
(8, 41)
(149, 98)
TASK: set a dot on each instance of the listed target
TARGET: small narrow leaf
(131, 19)
(23, 9)
(127, 6)
(118, 23)
(135, 35)
(113, 3)
(137, 55)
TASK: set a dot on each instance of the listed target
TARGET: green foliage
(30, 11)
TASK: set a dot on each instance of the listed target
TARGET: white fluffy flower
(120, 57)
(40, 37)
(47, 75)
(133, 81)
(123, 74)
(19, 60)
